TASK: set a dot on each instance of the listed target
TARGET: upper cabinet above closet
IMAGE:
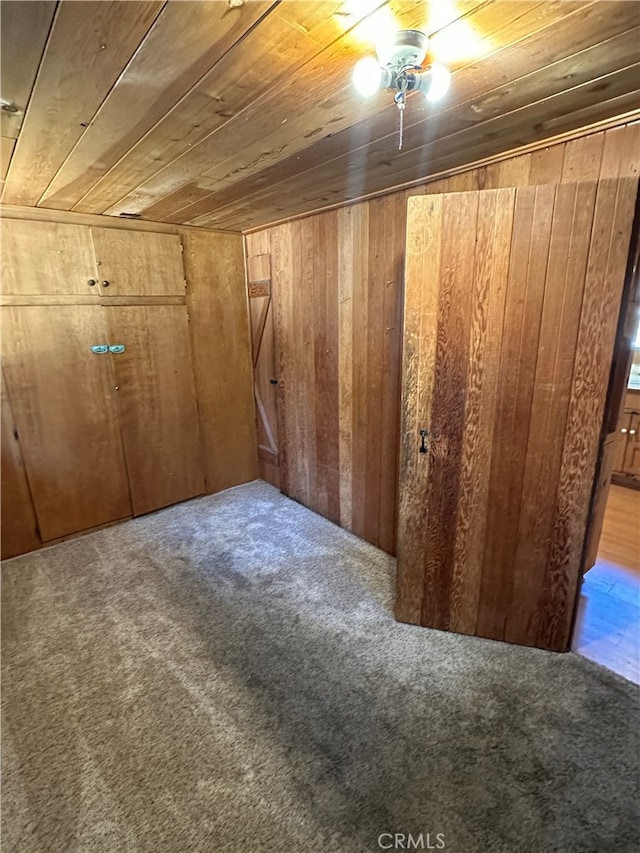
(53, 259)
(136, 263)
(46, 258)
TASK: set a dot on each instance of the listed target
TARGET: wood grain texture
(277, 121)
(567, 51)
(66, 217)
(263, 347)
(19, 526)
(89, 45)
(370, 130)
(362, 429)
(135, 263)
(73, 453)
(234, 82)
(560, 288)
(523, 299)
(7, 145)
(337, 370)
(422, 289)
(23, 35)
(43, 258)
(494, 235)
(156, 400)
(444, 418)
(221, 346)
(40, 258)
(606, 263)
(187, 39)
(558, 330)
(138, 107)
(55, 299)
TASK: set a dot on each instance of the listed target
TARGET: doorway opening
(607, 626)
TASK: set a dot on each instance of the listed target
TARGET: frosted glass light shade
(439, 82)
(367, 76)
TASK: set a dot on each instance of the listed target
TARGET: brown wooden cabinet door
(138, 263)
(631, 464)
(47, 258)
(624, 423)
(511, 306)
(156, 404)
(62, 399)
(19, 525)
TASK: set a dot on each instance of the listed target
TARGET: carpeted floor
(226, 675)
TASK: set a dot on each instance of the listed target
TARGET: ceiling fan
(398, 68)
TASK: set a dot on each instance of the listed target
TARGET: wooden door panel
(157, 404)
(504, 290)
(19, 525)
(632, 450)
(62, 399)
(47, 258)
(138, 263)
(264, 364)
(620, 449)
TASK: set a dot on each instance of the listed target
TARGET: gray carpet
(226, 675)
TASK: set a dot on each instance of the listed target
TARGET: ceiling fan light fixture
(399, 68)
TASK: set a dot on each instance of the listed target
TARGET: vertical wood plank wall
(221, 351)
(337, 281)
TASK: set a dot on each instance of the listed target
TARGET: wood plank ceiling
(233, 114)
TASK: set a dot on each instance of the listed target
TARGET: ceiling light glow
(367, 76)
(439, 82)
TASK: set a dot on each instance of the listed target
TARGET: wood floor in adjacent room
(608, 623)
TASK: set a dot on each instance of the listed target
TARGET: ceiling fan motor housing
(404, 48)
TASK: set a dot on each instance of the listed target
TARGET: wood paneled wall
(337, 282)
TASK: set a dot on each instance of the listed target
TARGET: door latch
(98, 349)
(423, 441)
(117, 348)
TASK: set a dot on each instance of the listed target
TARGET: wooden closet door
(47, 258)
(62, 399)
(138, 263)
(511, 306)
(157, 404)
